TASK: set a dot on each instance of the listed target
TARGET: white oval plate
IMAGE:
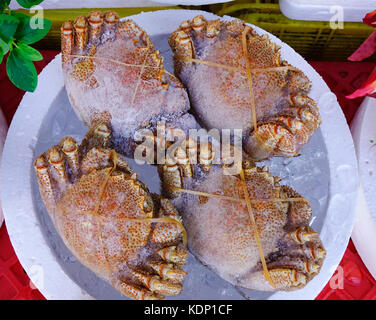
(326, 173)
(364, 134)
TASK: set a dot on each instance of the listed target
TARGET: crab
(113, 74)
(265, 244)
(109, 220)
(236, 80)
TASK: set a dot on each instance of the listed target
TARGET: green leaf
(8, 26)
(21, 72)
(27, 52)
(4, 46)
(1, 56)
(3, 5)
(28, 3)
(27, 30)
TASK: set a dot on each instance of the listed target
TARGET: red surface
(351, 279)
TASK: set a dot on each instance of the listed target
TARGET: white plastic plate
(364, 133)
(326, 173)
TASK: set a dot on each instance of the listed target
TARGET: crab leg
(303, 234)
(56, 160)
(135, 292)
(174, 254)
(213, 28)
(312, 252)
(168, 271)
(155, 284)
(102, 134)
(70, 149)
(206, 156)
(183, 47)
(171, 176)
(97, 136)
(283, 279)
(301, 264)
(166, 232)
(95, 21)
(183, 161)
(44, 181)
(67, 41)
(199, 24)
(110, 20)
(269, 138)
(81, 32)
(287, 278)
(307, 111)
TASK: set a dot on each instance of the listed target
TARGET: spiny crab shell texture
(230, 71)
(109, 220)
(220, 230)
(114, 75)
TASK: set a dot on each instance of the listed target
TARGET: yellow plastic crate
(314, 40)
(59, 16)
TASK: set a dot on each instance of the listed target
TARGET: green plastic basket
(314, 40)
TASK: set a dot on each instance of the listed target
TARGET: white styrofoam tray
(326, 173)
(3, 134)
(364, 134)
(327, 10)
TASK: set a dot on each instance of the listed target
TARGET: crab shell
(221, 233)
(212, 64)
(114, 75)
(109, 220)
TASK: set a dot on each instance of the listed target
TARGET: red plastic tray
(351, 281)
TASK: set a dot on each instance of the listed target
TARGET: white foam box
(325, 10)
(3, 134)
(364, 134)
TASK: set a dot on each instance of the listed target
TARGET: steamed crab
(114, 75)
(236, 80)
(108, 218)
(278, 250)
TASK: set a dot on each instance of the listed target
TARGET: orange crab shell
(236, 79)
(114, 75)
